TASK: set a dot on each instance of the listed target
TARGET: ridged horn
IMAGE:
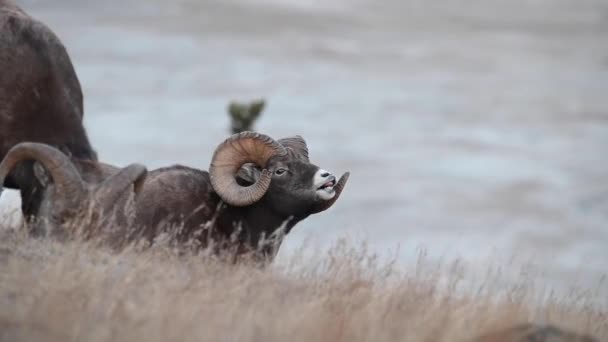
(112, 189)
(229, 156)
(322, 206)
(68, 183)
(298, 147)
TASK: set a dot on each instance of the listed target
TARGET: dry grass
(73, 291)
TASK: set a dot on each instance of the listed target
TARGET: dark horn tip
(344, 177)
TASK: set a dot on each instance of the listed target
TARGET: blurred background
(473, 129)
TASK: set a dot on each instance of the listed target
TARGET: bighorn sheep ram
(255, 185)
(40, 98)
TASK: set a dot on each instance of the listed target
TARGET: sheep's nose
(325, 174)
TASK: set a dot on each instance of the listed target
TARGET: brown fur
(180, 202)
(40, 97)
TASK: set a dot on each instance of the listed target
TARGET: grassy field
(76, 291)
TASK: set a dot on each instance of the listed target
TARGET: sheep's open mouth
(329, 185)
(325, 186)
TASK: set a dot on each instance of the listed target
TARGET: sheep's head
(251, 167)
(66, 198)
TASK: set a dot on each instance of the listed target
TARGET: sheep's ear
(248, 174)
(41, 175)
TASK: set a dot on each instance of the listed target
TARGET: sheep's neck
(252, 223)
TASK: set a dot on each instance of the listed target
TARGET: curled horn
(297, 146)
(322, 206)
(229, 156)
(68, 183)
(109, 192)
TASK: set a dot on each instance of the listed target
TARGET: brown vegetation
(75, 291)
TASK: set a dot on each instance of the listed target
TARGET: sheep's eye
(280, 172)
